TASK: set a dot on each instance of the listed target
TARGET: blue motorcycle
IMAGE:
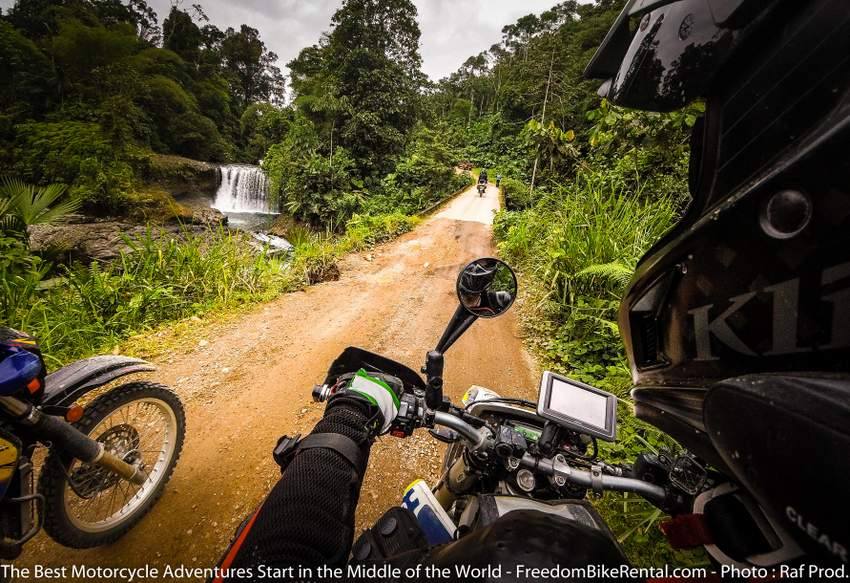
(107, 462)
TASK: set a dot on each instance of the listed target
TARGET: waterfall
(243, 189)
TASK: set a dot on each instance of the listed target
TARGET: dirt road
(249, 382)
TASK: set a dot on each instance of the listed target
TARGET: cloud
(452, 30)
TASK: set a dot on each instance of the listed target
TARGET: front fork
(70, 439)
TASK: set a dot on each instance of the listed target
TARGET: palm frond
(6, 219)
(32, 205)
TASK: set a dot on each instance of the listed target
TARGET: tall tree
(251, 67)
(370, 64)
(182, 35)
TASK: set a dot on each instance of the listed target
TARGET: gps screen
(577, 406)
(591, 408)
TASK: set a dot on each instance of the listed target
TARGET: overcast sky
(452, 30)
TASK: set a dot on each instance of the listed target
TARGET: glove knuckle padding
(380, 390)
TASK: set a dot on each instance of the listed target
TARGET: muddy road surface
(247, 382)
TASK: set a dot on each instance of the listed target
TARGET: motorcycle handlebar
(593, 480)
(473, 436)
(557, 466)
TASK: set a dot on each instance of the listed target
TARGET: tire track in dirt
(249, 381)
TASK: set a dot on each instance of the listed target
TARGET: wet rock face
(208, 217)
(182, 176)
(103, 240)
(86, 242)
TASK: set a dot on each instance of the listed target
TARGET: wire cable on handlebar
(586, 458)
(508, 400)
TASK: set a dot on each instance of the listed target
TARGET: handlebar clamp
(596, 479)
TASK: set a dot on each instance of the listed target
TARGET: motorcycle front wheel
(86, 505)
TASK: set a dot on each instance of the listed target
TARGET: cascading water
(243, 189)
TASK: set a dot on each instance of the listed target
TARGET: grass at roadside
(576, 247)
(91, 309)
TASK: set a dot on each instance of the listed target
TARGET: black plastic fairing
(786, 439)
(67, 384)
(678, 412)
(608, 57)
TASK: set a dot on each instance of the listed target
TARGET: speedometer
(529, 433)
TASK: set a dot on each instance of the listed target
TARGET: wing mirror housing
(486, 288)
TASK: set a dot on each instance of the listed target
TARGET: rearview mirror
(487, 287)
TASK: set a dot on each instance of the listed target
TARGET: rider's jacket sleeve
(308, 518)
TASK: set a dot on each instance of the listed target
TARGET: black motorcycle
(107, 462)
(507, 454)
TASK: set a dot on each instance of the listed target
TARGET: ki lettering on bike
(785, 315)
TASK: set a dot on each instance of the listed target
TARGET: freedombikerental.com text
(389, 572)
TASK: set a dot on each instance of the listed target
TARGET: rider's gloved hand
(308, 518)
(379, 391)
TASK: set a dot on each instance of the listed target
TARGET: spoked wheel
(85, 506)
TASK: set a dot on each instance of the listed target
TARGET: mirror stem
(433, 369)
(460, 323)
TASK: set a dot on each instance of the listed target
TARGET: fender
(69, 383)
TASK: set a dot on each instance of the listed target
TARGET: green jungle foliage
(91, 87)
(80, 310)
(96, 88)
(357, 142)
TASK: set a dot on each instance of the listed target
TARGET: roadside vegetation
(79, 310)
(105, 104)
(588, 188)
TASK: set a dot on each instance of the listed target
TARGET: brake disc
(88, 480)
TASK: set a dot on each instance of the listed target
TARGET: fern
(614, 272)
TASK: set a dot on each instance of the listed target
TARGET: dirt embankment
(248, 382)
